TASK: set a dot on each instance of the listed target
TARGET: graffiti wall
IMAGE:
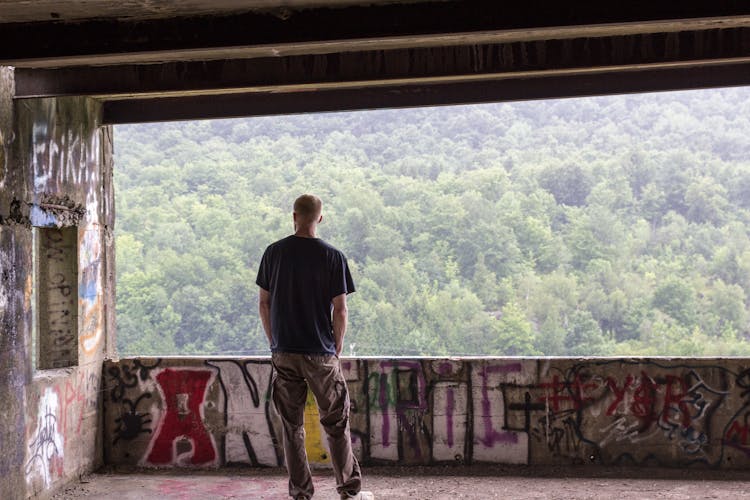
(62, 420)
(55, 172)
(175, 412)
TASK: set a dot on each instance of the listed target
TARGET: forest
(605, 226)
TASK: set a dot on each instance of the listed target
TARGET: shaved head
(308, 208)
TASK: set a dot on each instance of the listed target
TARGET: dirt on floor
(424, 483)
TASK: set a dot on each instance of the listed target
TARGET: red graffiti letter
(183, 391)
(555, 393)
(644, 399)
(619, 393)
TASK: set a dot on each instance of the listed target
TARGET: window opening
(602, 226)
(56, 297)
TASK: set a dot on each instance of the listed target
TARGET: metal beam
(394, 66)
(319, 30)
(401, 96)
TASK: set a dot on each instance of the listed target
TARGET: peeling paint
(42, 218)
(56, 211)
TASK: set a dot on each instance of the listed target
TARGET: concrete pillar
(55, 174)
(15, 240)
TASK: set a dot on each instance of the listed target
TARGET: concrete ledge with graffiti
(216, 412)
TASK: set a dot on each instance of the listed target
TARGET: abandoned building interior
(70, 70)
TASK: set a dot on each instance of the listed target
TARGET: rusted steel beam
(401, 96)
(288, 31)
(401, 65)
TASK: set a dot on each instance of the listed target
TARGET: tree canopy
(594, 226)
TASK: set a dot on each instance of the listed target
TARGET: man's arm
(264, 309)
(340, 313)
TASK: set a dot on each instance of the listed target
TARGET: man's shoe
(362, 495)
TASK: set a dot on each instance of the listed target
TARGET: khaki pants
(293, 373)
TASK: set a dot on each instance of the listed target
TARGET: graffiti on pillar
(181, 437)
(90, 297)
(45, 446)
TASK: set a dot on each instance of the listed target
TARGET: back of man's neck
(305, 233)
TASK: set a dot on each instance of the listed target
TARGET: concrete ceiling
(184, 59)
(28, 11)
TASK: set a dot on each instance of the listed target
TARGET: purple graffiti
(491, 436)
(445, 368)
(383, 401)
(450, 405)
(403, 405)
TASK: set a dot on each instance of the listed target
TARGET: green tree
(512, 333)
(676, 298)
(585, 338)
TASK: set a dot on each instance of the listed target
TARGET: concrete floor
(434, 483)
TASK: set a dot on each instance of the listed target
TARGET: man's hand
(340, 314)
(264, 309)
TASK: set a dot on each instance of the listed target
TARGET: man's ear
(320, 219)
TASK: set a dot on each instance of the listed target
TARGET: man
(303, 284)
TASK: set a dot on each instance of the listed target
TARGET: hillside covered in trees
(599, 226)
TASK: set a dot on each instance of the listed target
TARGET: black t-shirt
(302, 276)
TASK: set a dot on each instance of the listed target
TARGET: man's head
(307, 211)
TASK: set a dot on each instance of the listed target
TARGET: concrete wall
(176, 412)
(55, 170)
